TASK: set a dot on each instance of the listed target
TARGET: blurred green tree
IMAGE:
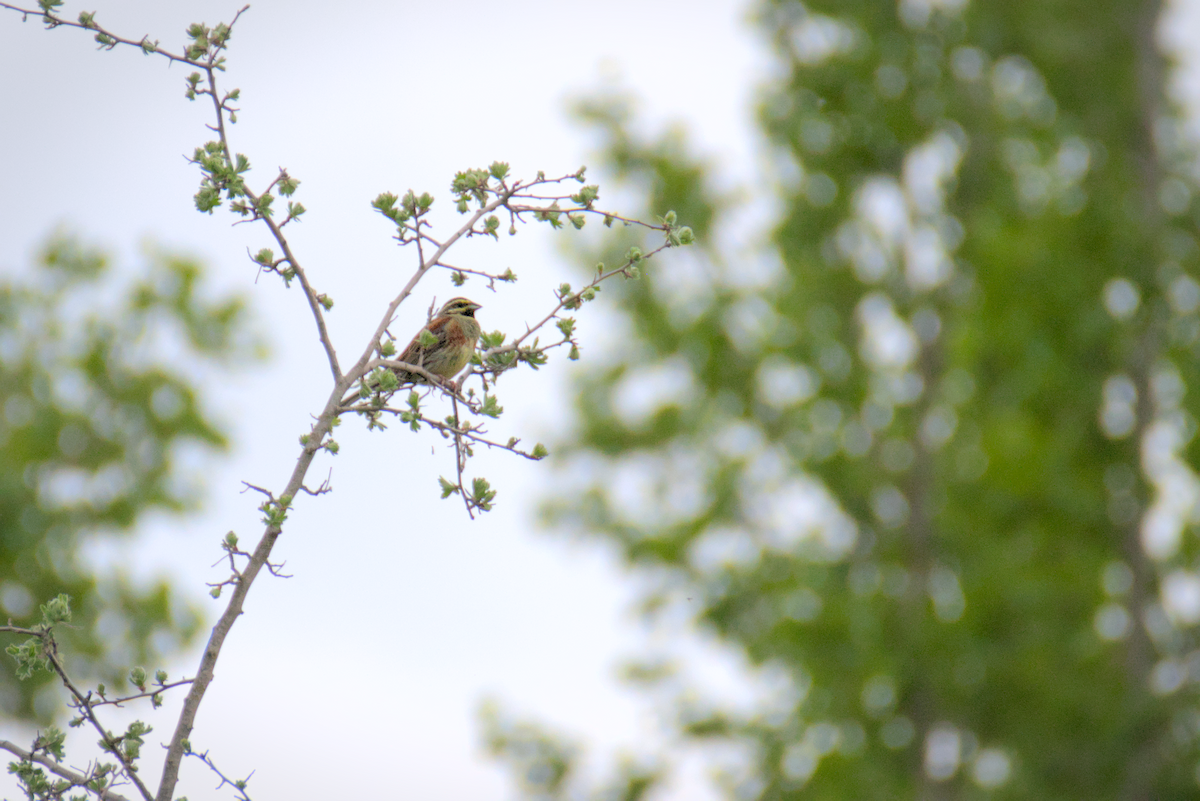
(99, 391)
(927, 454)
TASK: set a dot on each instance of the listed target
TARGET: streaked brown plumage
(456, 330)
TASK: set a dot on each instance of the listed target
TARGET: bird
(456, 330)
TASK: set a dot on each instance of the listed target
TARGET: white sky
(426, 612)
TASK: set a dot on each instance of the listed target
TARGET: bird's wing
(413, 352)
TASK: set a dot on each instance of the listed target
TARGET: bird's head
(459, 306)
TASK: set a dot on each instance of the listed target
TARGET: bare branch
(148, 694)
(241, 588)
(474, 434)
(460, 460)
(325, 488)
(250, 486)
(238, 785)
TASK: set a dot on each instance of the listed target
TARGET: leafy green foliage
(91, 414)
(543, 761)
(918, 460)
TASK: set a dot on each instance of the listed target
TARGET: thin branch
(84, 705)
(325, 487)
(54, 21)
(238, 785)
(314, 302)
(248, 486)
(491, 278)
(433, 381)
(233, 609)
(473, 434)
(460, 460)
(563, 301)
(77, 779)
(148, 694)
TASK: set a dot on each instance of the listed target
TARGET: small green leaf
(57, 610)
(491, 407)
(482, 494)
(384, 203)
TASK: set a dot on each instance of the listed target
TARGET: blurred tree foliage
(928, 454)
(99, 398)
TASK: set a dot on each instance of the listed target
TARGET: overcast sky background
(369, 665)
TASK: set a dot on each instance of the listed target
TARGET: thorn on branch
(324, 488)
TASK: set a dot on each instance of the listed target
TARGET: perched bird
(456, 330)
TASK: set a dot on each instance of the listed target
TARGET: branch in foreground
(107, 39)
(239, 785)
(87, 780)
(40, 651)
